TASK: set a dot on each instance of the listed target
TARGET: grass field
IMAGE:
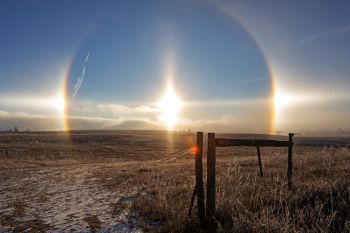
(142, 181)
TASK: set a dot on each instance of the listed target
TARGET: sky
(222, 66)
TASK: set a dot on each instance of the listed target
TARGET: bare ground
(63, 198)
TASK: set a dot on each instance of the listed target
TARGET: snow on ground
(63, 199)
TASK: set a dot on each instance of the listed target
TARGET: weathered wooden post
(199, 178)
(211, 159)
(290, 161)
(259, 159)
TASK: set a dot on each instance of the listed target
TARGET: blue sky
(217, 55)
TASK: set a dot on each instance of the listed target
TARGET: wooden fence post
(290, 162)
(199, 178)
(259, 159)
(211, 159)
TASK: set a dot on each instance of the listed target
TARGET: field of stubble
(142, 181)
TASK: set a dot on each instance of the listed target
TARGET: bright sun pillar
(169, 106)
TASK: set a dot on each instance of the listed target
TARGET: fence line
(42, 165)
(209, 218)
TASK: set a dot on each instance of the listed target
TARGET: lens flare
(194, 150)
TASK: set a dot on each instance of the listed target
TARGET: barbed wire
(43, 165)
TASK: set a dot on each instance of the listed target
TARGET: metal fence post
(290, 161)
(259, 159)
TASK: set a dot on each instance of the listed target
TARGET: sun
(169, 106)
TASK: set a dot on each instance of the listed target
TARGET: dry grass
(144, 164)
(247, 202)
(94, 223)
(33, 225)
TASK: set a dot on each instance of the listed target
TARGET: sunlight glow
(281, 101)
(59, 103)
(170, 107)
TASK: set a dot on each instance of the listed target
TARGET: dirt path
(61, 199)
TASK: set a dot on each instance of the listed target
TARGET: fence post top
(291, 136)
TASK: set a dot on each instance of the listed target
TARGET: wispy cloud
(81, 77)
(30, 121)
(87, 57)
(227, 102)
(112, 110)
(323, 34)
(253, 80)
